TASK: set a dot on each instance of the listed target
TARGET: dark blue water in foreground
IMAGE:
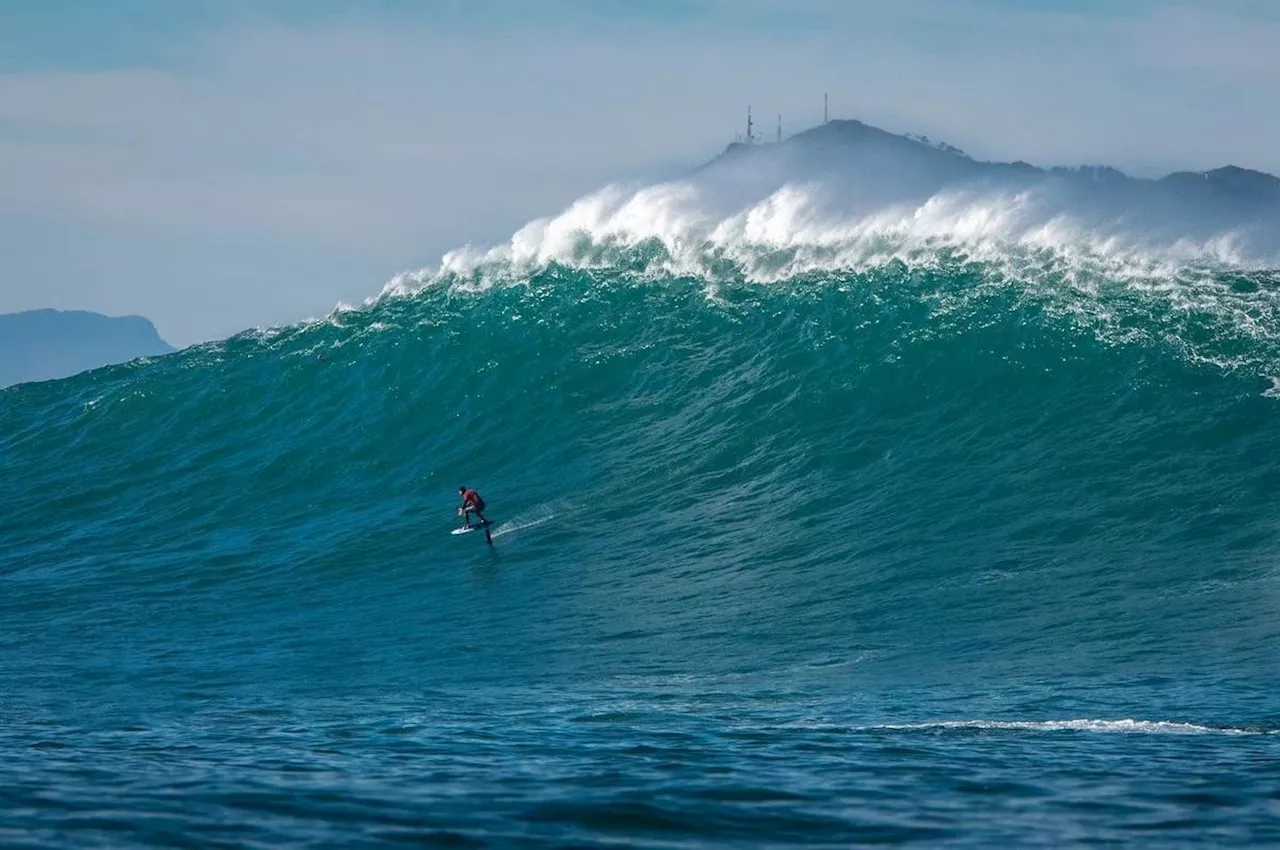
(936, 555)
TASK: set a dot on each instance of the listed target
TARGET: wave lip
(846, 196)
(798, 229)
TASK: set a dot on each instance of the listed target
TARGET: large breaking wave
(755, 418)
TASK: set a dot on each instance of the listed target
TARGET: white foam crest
(1130, 726)
(805, 227)
(669, 212)
(798, 220)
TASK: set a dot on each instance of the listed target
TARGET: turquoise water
(945, 552)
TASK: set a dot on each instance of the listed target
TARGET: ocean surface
(954, 542)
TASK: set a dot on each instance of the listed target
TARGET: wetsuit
(471, 502)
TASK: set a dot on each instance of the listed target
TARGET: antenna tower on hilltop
(779, 128)
(750, 136)
(824, 109)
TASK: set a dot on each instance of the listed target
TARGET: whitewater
(831, 507)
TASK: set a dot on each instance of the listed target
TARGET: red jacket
(471, 497)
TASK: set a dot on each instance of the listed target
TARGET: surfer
(471, 503)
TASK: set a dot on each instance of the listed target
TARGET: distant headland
(837, 145)
(39, 345)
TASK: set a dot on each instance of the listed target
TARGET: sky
(217, 165)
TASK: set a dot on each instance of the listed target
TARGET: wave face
(790, 512)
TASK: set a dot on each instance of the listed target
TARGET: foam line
(1146, 727)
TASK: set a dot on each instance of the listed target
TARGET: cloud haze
(261, 167)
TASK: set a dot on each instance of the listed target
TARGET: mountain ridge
(840, 142)
(42, 345)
